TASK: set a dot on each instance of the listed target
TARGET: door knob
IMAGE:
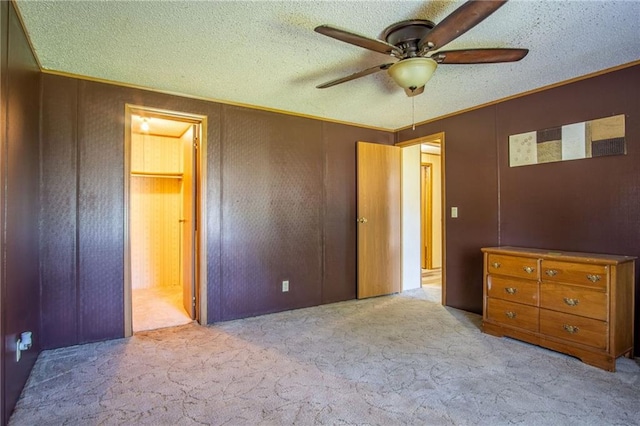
(361, 220)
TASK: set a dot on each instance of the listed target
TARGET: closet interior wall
(156, 208)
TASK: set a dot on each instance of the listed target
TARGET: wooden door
(379, 219)
(188, 222)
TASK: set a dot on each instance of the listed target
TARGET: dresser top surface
(560, 255)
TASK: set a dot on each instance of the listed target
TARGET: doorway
(425, 182)
(164, 286)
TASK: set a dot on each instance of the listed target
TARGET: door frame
(440, 139)
(200, 261)
(426, 211)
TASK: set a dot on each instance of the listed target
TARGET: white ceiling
(266, 54)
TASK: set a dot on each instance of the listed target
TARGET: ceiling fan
(416, 42)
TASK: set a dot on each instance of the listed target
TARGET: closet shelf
(157, 175)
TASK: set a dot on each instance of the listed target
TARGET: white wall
(411, 273)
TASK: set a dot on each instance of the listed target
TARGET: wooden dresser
(580, 304)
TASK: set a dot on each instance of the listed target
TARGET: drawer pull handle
(571, 302)
(495, 265)
(572, 329)
(511, 290)
(510, 314)
(529, 269)
(551, 272)
(594, 278)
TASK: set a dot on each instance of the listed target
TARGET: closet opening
(164, 283)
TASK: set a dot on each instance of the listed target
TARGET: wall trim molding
(207, 99)
(328, 120)
(527, 93)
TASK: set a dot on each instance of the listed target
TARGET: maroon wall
(19, 159)
(340, 204)
(584, 205)
(590, 205)
(280, 196)
(471, 185)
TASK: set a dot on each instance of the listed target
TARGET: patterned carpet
(401, 359)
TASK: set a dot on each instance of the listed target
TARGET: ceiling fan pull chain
(413, 115)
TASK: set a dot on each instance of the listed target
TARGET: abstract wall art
(595, 138)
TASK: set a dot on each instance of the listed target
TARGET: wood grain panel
(513, 314)
(379, 204)
(58, 212)
(520, 267)
(187, 222)
(582, 274)
(155, 211)
(4, 23)
(585, 302)
(623, 327)
(100, 212)
(577, 329)
(513, 290)
(20, 202)
(272, 212)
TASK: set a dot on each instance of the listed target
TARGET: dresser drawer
(513, 289)
(575, 273)
(513, 314)
(574, 328)
(586, 302)
(513, 266)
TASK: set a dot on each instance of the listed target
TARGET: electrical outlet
(285, 286)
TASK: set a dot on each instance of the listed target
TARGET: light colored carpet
(401, 359)
(157, 307)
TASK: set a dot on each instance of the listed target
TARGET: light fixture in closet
(145, 125)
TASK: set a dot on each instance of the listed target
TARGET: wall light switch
(285, 286)
(454, 212)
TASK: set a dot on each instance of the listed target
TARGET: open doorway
(431, 212)
(164, 248)
(424, 236)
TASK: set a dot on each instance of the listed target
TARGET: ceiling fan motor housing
(407, 34)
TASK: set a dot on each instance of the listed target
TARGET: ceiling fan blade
(354, 76)
(410, 93)
(459, 22)
(479, 56)
(358, 40)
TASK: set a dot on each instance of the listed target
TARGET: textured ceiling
(266, 54)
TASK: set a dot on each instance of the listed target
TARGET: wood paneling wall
(155, 211)
(155, 208)
(281, 205)
(584, 205)
(20, 203)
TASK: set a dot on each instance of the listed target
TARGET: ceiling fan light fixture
(412, 73)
